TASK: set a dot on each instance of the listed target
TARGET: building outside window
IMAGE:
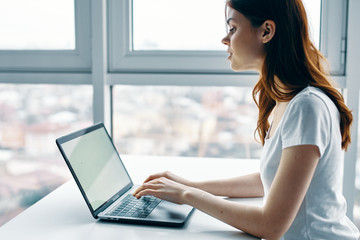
(32, 116)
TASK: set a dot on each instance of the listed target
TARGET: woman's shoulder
(312, 102)
(311, 97)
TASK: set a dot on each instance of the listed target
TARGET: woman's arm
(287, 192)
(243, 186)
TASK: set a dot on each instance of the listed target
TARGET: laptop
(106, 185)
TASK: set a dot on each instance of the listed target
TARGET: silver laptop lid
(95, 165)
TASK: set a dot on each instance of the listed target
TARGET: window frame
(123, 60)
(333, 33)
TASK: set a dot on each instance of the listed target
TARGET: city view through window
(31, 118)
(185, 121)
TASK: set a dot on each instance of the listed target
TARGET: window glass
(31, 118)
(191, 25)
(37, 24)
(178, 25)
(185, 121)
(313, 10)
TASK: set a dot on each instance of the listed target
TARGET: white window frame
(123, 60)
(77, 60)
(333, 34)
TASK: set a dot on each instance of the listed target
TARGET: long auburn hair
(291, 57)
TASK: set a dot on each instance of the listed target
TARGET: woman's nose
(226, 40)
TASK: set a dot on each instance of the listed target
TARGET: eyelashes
(232, 29)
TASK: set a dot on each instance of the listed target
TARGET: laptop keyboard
(130, 206)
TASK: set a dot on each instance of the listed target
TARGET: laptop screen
(96, 165)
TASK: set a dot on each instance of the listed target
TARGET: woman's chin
(241, 68)
(237, 68)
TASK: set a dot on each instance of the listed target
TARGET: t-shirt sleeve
(306, 122)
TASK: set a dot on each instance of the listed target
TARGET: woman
(300, 169)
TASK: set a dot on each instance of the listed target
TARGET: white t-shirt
(311, 118)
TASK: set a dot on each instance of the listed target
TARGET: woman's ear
(268, 30)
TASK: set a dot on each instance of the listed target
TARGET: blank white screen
(97, 166)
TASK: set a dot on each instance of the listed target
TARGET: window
(179, 27)
(176, 25)
(31, 118)
(30, 31)
(313, 10)
(164, 33)
(185, 121)
(200, 49)
(45, 35)
(43, 41)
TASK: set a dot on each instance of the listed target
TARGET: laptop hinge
(113, 199)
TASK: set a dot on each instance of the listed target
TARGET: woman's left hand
(163, 188)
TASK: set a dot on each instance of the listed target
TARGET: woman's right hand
(171, 176)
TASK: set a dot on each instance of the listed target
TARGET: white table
(63, 214)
